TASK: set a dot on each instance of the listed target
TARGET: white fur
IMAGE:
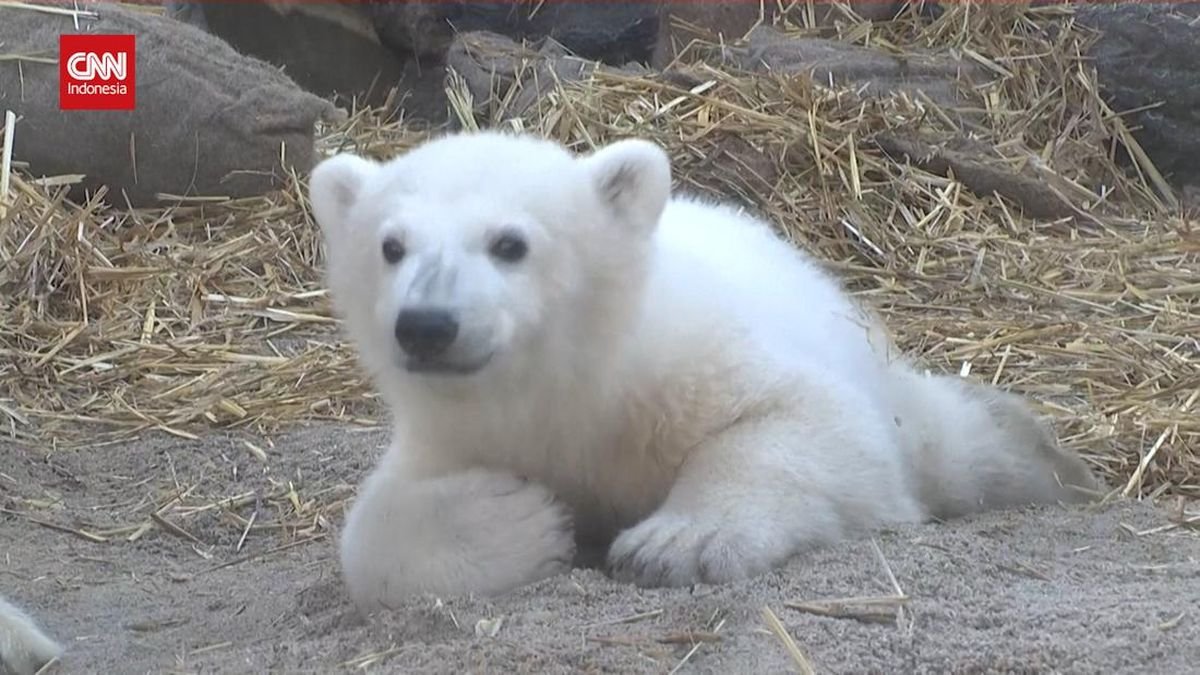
(661, 374)
(24, 648)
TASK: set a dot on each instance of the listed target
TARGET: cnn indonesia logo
(96, 72)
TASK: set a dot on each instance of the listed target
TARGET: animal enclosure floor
(218, 556)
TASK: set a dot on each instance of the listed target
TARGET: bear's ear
(334, 185)
(632, 178)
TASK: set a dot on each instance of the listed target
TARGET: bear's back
(723, 272)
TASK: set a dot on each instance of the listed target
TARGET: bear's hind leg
(478, 531)
(24, 648)
(978, 448)
(763, 490)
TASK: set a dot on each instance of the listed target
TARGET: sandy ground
(251, 585)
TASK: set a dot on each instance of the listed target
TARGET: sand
(1110, 590)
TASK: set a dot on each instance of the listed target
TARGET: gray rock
(1038, 194)
(330, 49)
(368, 48)
(491, 65)
(730, 20)
(208, 121)
(505, 79)
(1149, 55)
(839, 64)
(612, 33)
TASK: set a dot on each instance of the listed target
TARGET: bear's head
(488, 252)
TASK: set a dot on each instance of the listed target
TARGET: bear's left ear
(633, 178)
(334, 185)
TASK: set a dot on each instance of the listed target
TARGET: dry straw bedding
(213, 314)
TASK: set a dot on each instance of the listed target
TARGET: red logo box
(96, 72)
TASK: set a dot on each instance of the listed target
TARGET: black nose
(425, 333)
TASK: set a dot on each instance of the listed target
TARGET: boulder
(1147, 60)
(208, 121)
(369, 48)
(981, 168)
(499, 71)
(612, 33)
(729, 21)
(833, 63)
(505, 79)
(330, 49)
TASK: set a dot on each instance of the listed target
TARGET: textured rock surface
(1149, 55)
(208, 121)
(728, 21)
(493, 65)
(871, 71)
(329, 49)
(610, 32)
(367, 49)
(613, 33)
(1038, 194)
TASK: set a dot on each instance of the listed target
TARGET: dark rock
(609, 32)
(329, 49)
(1148, 56)
(716, 22)
(412, 28)
(191, 13)
(208, 121)
(734, 169)
(869, 71)
(367, 48)
(1039, 194)
(612, 33)
(491, 65)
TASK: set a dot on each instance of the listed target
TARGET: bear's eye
(509, 247)
(393, 250)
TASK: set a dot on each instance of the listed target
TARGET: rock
(1040, 194)
(208, 121)
(833, 63)
(491, 65)
(367, 48)
(329, 49)
(715, 22)
(1148, 55)
(612, 33)
(733, 169)
(412, 28)
(191, 13)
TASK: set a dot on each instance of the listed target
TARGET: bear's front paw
(521, 531)
(671, 549)
(476, 532)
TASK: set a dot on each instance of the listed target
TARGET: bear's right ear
(633, 179)
(334, 185)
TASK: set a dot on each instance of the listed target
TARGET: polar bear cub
(24, 648)
(572, 356)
